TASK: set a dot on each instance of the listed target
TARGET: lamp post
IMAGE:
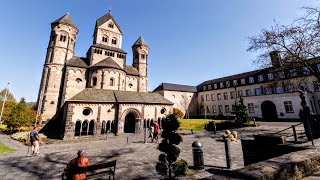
(4, 101)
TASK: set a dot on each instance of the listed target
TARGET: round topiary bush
(181, 168)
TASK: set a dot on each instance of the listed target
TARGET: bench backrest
(79, 170)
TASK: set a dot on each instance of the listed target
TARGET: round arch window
(86, 112)
(163, 110)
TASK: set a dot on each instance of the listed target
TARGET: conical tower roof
(106, 18)
(65, 19)
(140, 42)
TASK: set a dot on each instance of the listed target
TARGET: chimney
(275, 58)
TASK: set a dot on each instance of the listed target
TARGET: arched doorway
(269, 110)
(91, 127)
(130, 123)
(77, 128)
(84, 130)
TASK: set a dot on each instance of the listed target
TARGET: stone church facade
(99, 93)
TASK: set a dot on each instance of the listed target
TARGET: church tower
(140, 51)
(60, 49)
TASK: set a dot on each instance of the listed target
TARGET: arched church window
(94, 81)
(130, 85)
(111, 82)
(143, 56)
(110, 25)
(63, 38)
(114, 41)
(78, 80)
(105, 38)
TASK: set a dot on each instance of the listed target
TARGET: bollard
(214, 127)
(145, 135)
(191, 131)
(228, 154)
(197, 155)
(294, 133)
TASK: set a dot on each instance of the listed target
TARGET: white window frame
(228, 84)
(225, 96)
(251, 108)
(288, 106)
(235, 82)
(220, 109)
(221, 85)
(227, 108)
(232, 95)
(243, 81)
(215, 86)
(213, 97)
(270, 76)
(260, 78)
(219, 96)
(257, 91)
(251, 80)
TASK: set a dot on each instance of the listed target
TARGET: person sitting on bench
(79, 161)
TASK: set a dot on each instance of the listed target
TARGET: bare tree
(297, 44)
(185, 103)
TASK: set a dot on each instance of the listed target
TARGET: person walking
(151, 131)
(156, 132)
(34, 138)
(79, 161)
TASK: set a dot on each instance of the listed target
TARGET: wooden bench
(93, 171)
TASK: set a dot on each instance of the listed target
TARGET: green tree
(21, 115)
(10, 97)
(6, 115)
(178, 113)
(168, 146)
(240, 112)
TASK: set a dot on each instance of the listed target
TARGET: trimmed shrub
(181, 168)
(3, 128)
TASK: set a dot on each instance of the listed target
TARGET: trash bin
(197, 155)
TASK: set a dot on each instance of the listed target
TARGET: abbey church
(99, 93)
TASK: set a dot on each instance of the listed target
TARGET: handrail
(286, 129)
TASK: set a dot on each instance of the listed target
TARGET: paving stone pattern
(135, 160)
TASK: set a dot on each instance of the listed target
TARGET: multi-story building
(270, 93)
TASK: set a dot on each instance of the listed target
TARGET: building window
(260, 78)
(220, 109)
(306, 70)
(235, 83)
(86, 111)
(130, 85)
(270, 76)
(111, 82)
(293, 72)
(208, 109)
(251, 80)
(105, 38)
(225, 96)
(267, 90)
(257, 91)
(232, 95)
(281, 75)
(94, 81)
(202, 98)
(207, 97)
(240, 93)
(214, 108)
(303, 87)
(219, 96)
(143, 56)
(204, 88)
(209, 87)
(248, 92)
(212, 97)
(250, 108)
(114, 41)
(243, 81)
(110, 25)
(228, 84)
(316, 85)
(288, 106)
(215, 86)
(290, 88)
(63, 38)
(227, 108)
(221, 85)
(78, 80)
(279, 90)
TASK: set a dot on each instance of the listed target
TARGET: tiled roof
(65, 19)
(109, 48)
(175, 87)
(107, 62)
(102, 95)
(132, 71)
(76, 61)
(140, 42)
(106, 18)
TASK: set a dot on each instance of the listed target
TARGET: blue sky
(190, 41)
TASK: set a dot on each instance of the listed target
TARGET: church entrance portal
(130, 123)
(269, 110)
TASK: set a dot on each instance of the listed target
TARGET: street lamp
(4, 101)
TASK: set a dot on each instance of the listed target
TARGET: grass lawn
(4, 149)
(196, 124)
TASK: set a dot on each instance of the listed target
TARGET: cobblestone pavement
(135, 160)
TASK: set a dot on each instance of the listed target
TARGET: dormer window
(105, 38)
(235, 83)
(251, 80)
(110, 25)
(221, 85)
(270, 76)
(215, 86)
(260, 78)
(209, 87)
(228, 84)
(306, 70)
(243, 81)
(204, 88)
(114, 41)
(63, 38)
(293, 72)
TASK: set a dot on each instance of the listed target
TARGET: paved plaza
(135, 160)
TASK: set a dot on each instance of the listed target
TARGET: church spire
(140, 42)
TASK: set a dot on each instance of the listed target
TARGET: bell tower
(140, 51)
(60, 49)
